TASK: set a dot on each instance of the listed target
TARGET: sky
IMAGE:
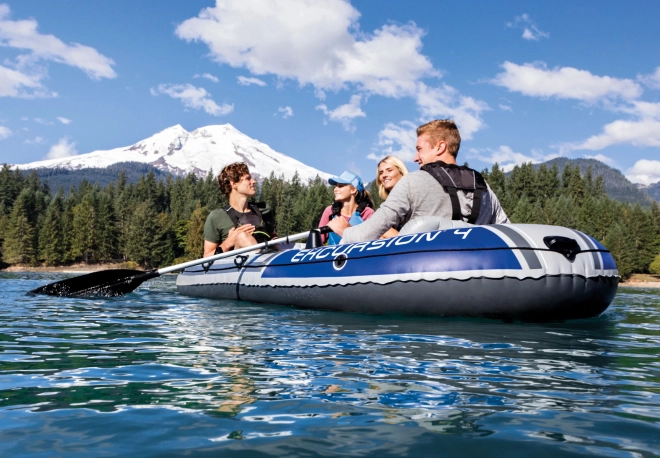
(337, 84)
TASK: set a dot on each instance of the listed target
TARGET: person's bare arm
(391, 232)
(229, 242)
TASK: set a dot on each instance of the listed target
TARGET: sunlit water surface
(158, 374)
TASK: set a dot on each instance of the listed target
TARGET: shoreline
(636, 281)
(74, 268)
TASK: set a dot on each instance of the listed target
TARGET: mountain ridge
(617, 186)
(177, 151)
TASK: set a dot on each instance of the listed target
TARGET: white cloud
(321, 44)
(14, 83)
(194, 97)
(445, 101)
(652, 80)
(345, 113)
(536, 80)
(644, 132)
(505, 108)
(34, 141)
(644, 171)
(23, 35)
(287, 112)
(317, 43)
(208, 76)
(530, 30)
(45, 122)
(64, 120)
(245, 81)
(63, 148)
(506, 158)
(396, 140)
(5, 132)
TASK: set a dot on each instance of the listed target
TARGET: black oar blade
(105, 283)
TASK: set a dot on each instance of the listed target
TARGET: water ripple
(169, 374)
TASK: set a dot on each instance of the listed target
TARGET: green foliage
(20, 242)
(195, 236)
(654, 268)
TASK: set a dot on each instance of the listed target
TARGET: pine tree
(143, 235)
(51, 249)
(84, 236)
(618, 244)
(524, 212)
(195, 236)
(20, 239)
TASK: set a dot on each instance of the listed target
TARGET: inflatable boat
(434, 267)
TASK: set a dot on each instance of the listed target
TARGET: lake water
(158, 374)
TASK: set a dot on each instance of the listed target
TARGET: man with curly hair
(241, 223)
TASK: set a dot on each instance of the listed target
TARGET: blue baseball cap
(348, 178)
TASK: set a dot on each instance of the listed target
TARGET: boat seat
(431, 223)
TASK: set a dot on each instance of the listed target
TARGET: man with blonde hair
(440, 188)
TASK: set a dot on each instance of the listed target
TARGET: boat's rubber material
(529, 272)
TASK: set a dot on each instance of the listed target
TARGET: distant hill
(652, 190)
(617, 185)
(66, 178)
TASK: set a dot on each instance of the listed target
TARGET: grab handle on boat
(314, 237)
(564, 245)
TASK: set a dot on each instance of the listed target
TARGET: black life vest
(459, 177)
(264, 224)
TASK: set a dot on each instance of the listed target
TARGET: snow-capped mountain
(178, 151)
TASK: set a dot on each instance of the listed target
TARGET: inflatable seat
(431, 223)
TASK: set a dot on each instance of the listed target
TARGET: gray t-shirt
(419, 194)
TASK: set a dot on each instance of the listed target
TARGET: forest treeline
(160, 222)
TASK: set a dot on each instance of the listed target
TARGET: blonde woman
(390, 170)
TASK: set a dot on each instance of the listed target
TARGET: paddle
(116, 282)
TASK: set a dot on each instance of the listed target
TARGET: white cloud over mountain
(193, 97)
(63, 148)
(644, 171)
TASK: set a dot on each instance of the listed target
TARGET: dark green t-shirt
(217, 226)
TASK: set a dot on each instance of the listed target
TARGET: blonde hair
(396, 162)
(442, 130)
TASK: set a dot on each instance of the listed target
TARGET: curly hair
(231, 174)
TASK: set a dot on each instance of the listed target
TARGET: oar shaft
(215, 257)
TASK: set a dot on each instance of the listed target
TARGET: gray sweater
(419, 194)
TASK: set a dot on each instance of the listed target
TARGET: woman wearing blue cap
(352, 202)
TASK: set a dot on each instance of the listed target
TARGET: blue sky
(337, 84)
